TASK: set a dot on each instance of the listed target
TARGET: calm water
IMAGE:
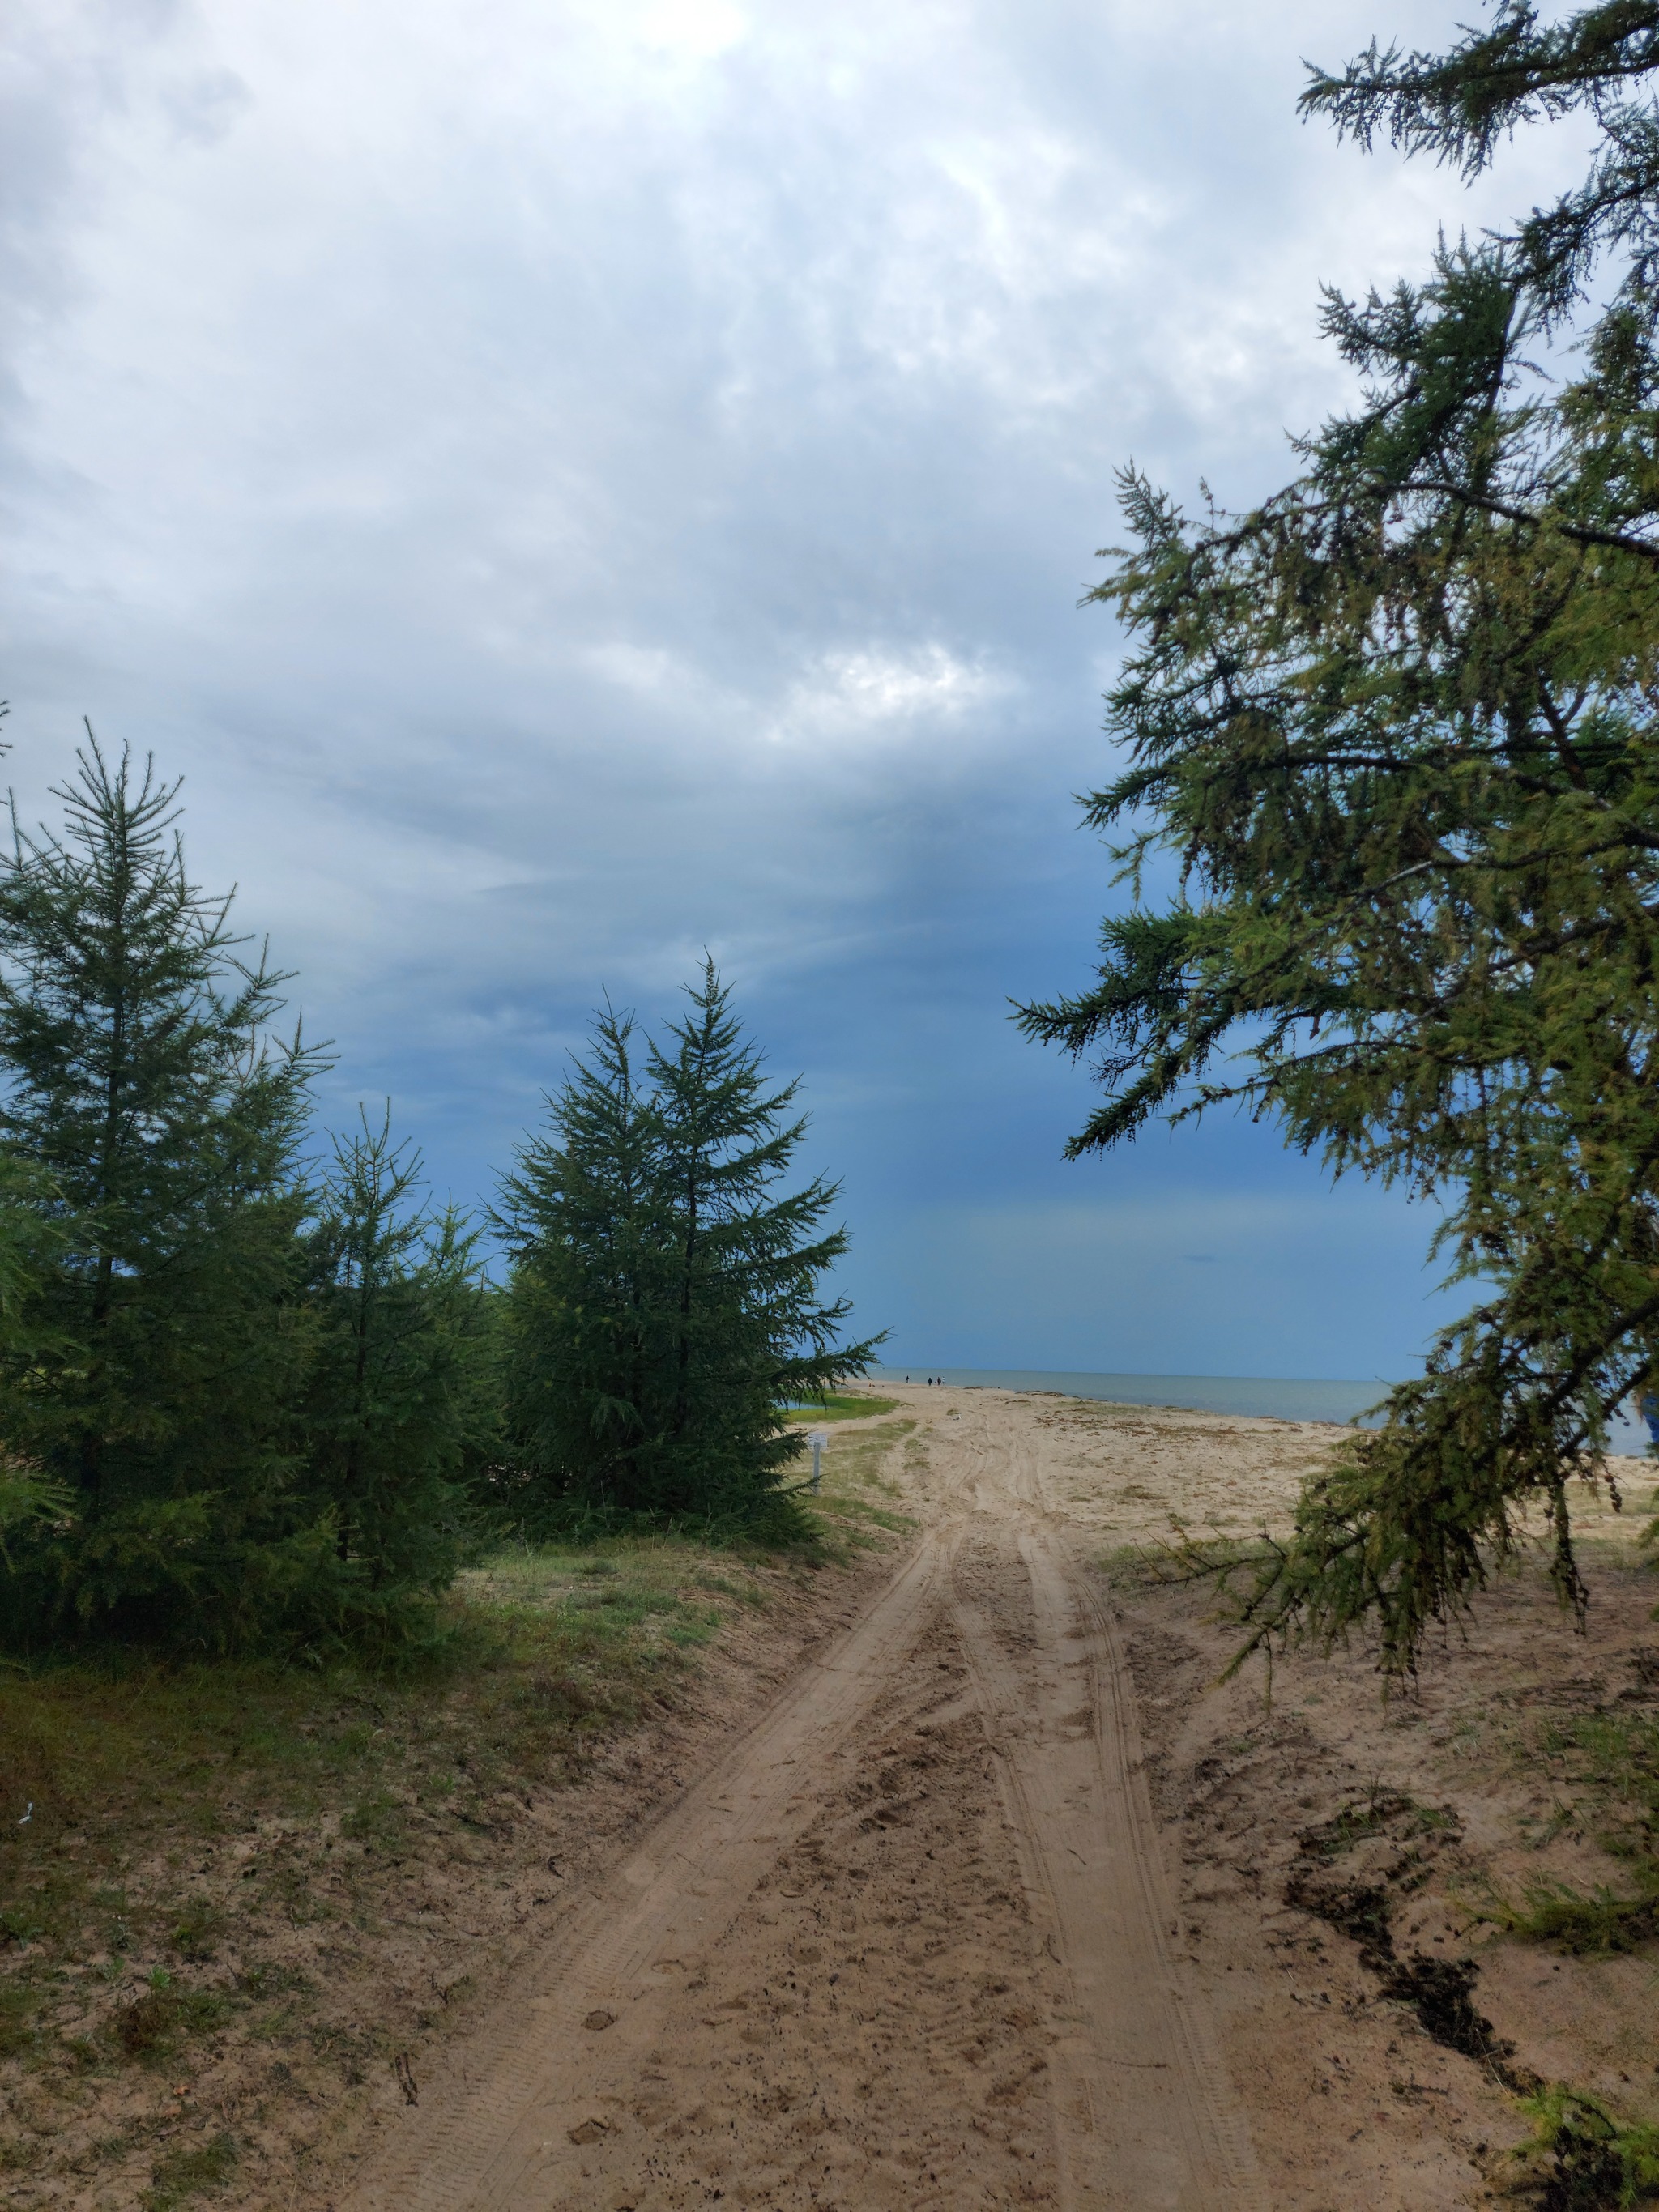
(1289, 1397)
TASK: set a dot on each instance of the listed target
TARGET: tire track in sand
(1147, 2120)
(538, 2114)
(496, 2133)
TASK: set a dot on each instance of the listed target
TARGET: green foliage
(1587, 2160)
(31, 1243)
(241, 1406)
(834, 1405)
(1394, 728)
(27, 1496)
(664, 1306)
(234, 1409)
(397, 1306)
(157, 1377)
(1593, 1925)
(584, 1329)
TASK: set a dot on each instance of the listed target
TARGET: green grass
(538, 1661)
(1594, 1923)
(1585, 2158)
(167, 1830)
(162, 1825)
(840, 1405)
(185, 2173)
(1604, 1769)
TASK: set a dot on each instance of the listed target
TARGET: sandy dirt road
(907, 1944)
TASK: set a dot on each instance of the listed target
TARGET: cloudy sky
(573, 482)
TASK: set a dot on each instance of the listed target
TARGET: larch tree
(1395, 729)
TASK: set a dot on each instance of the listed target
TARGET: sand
(993, 1903)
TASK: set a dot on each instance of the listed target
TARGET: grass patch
(185, 2173)
(1612, 1761)
(840, 1406)
(856, 1464)
(1595, 1925)
(187, 1850)
(1604, 1767)
(845, 1514)
(1584, 2158)
(200, 1931)
(151, 2026)
(18, 2007)
(856, 1515)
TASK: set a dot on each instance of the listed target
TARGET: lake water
(1286, 1397)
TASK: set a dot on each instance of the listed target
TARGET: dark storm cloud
(573, 485)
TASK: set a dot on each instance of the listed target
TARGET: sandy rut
(907, 1944)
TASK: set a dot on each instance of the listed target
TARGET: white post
(817, 1440)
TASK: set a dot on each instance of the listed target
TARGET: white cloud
(873, 696)
(572, 481)
(700, 27)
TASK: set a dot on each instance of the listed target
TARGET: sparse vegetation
(184, 2173)
(1584, 2158)
(1604, 1769)
(181, 1843)
(1589, 1924)
(1385, 1811)
(854, 1463)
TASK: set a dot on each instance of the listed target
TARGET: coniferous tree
(664, 1306)
(1396, 728)
(748, 1333)
(30, 1242)
(396, 1296)
(584, 1216)
(158, 1377)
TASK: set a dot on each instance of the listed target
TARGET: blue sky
(572, 484)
